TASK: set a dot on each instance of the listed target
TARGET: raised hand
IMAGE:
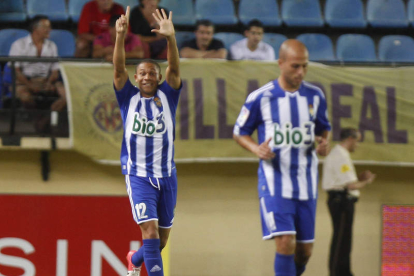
(263, 151)
(166, 26)
(122, 23)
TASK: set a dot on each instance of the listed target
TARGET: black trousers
(341, 207)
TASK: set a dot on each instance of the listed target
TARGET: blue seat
(65, 42)
(54, 9)
(7, 37)
(267, 12)
(219, 12)
(75, 8)
(183, 36)
(302, 13)
(12, 11)
(396, 48)
(126, 3)
(275, 40)
(319, 46)
(183, 11)
(355, 47)
(345, 14)
(410, 12)
(386, 14)
(228, 38)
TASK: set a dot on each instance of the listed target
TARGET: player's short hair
(348, 132)
(203, 22)
(254, 23)
(36, 20)
(113, 19)
(149, 61)
(142, 5)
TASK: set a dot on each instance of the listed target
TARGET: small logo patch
(155, 268)
(311, 111)
(158, 101)
(243, 116)
(345, 168)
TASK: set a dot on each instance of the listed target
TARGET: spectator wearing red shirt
(93, 21)
(103, 45)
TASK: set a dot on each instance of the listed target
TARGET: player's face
(294, 67)
(254, 35)
(204, 35)
(147, 78)
(104, 5)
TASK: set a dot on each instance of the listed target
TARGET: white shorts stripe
(129, 191)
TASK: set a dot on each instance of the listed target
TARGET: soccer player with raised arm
(147, 156)
(289, 115)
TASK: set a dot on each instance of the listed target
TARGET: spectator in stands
(203, 45)
(103, 45)
(252, 47)
(142, 22)
(38, 80)
(93, 22)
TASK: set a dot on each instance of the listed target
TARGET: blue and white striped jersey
(149, 130)
(292, 120)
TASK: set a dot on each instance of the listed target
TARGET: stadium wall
(217, 227)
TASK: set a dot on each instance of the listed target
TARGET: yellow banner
(378, 101)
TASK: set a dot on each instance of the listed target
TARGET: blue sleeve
(172, 94)
(126, 93)
(322, 122)
(249, 118)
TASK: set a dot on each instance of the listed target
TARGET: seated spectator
(252, 47)
(203, 45)
(103, 45)
(141, 24)
(37, 82)
(93, 22)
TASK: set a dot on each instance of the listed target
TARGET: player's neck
(345, 145)
(286, 87)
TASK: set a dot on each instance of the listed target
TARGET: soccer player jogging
(289, 115)
(147, 156)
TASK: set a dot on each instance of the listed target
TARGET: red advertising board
(66, 235)
(397, 240)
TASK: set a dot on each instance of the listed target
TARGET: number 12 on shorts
(141, 208)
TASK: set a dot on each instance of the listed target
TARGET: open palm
(166, 26)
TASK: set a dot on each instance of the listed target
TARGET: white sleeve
(15, 50)
(345, 172)
(234, 52)
(271, 53)
(55, 65)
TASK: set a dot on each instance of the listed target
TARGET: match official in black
(342, 184)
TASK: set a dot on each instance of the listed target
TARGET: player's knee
(302, 256)
(285, 244)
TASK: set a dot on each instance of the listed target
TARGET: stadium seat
(126, 3)
(410, 12)
(12, 11)
(275, 40)
(345, 14)
(7, 37)
(386, 14)
(228, 38)
(65, 42)
(267, 12)
(355, 47)
(220, 12)
(302, 13)
(319, 46)
(183, 11)
(183, 36)
(54, 9)
(396, 48)
(75, 9)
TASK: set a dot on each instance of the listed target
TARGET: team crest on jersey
(144, 127)
(293, 137)
(157, 101)
(311, 111)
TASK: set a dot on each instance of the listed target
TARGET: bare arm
(364, 178)
(220, 53)
(188, 52)
(120, 72)
(87, 36)
(323, 143)
(99, 51)
(263, 151)
(172, 75)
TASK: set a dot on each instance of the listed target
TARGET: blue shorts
(152, 198)
(281, 216)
